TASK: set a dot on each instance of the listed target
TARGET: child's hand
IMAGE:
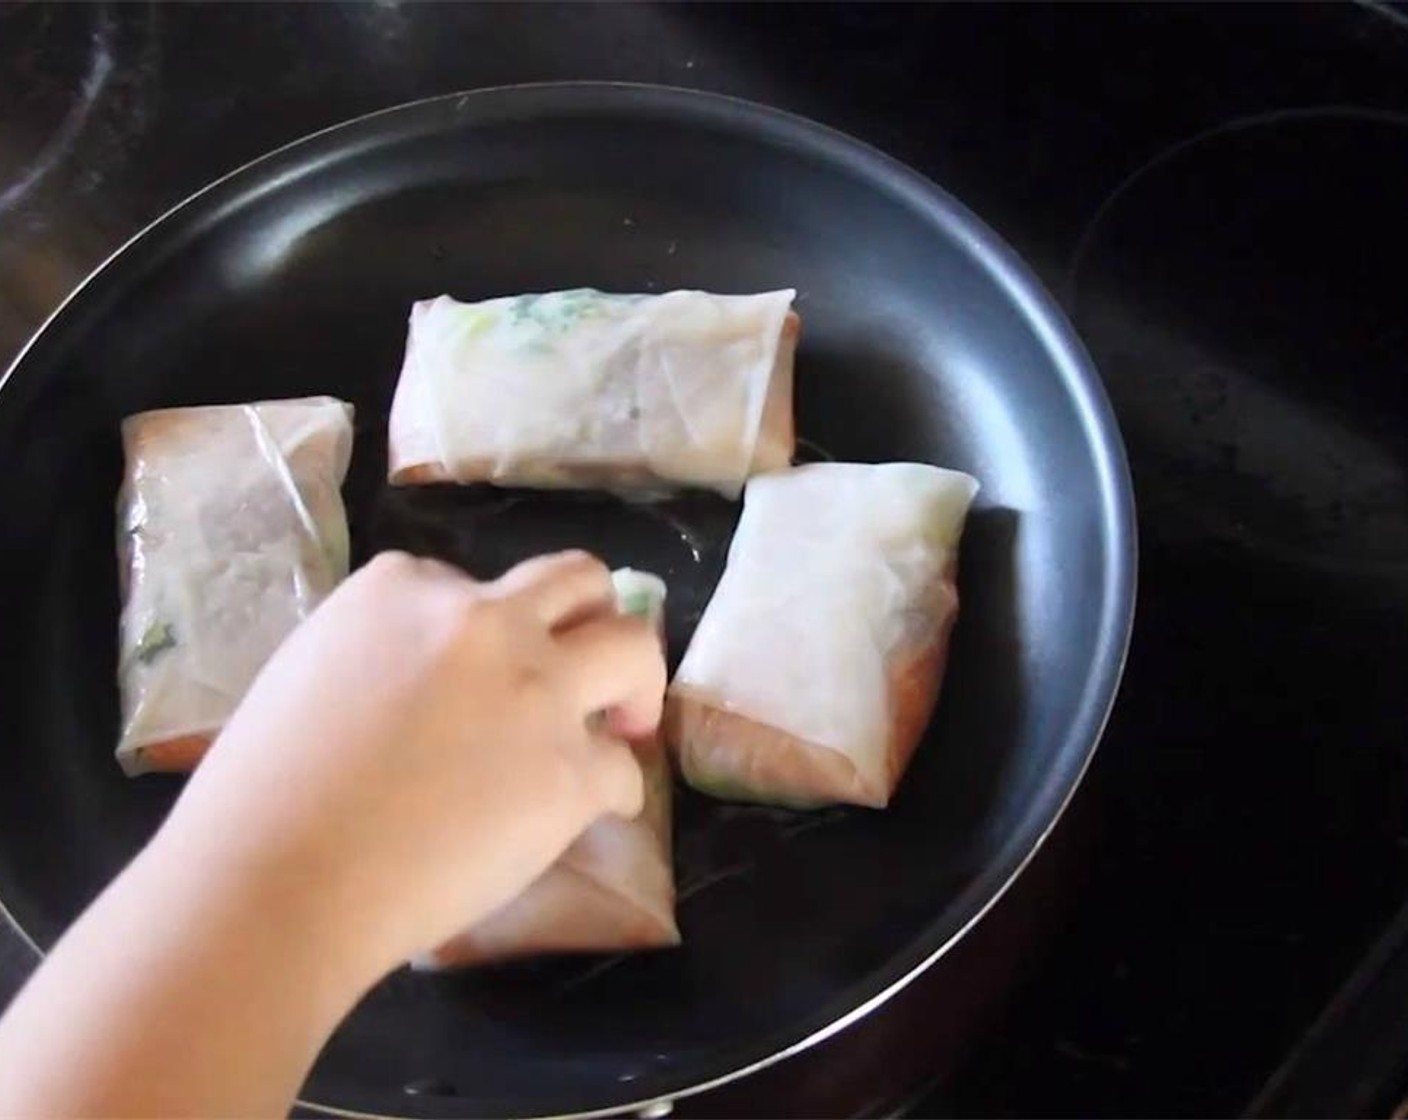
(415, 753)
(423, 747)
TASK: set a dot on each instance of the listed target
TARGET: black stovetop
(1219, 196)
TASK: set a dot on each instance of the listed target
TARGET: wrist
(268, 904)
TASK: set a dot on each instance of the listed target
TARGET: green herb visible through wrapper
(159, 638)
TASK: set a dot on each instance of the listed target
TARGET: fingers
(561, 589)
(617, 775)
(610, 663)
(615, 664)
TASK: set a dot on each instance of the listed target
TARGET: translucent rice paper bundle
(614, 889)
(232, 530)
(581, 389)
(816, 666)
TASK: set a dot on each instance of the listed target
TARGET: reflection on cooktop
(1257, 371)
(77, 94)
(77, 63)
(1241, 291)
(74, 64)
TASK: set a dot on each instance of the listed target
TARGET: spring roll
(231, 530)
(816, 665)
(614, 889)
(581, 389)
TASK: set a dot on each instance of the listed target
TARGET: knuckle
(581, 556)
(391, 565)
(479, 619)
(579, 559)
(503, 638)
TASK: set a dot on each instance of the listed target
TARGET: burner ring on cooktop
(1242, 292)
(83, 69)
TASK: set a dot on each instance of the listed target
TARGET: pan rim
(1037, 307)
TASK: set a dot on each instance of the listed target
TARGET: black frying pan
(923, 338)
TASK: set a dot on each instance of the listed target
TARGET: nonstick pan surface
(923, 338)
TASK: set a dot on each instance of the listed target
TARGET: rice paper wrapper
(583, 389)
(614, 889)
(231, 530)
(815, 668)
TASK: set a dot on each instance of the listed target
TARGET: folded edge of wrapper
(288, 455)
(416, 440)
(613, 890)
(739, 752)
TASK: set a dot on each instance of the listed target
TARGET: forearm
(413, 756)
(184, 990)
